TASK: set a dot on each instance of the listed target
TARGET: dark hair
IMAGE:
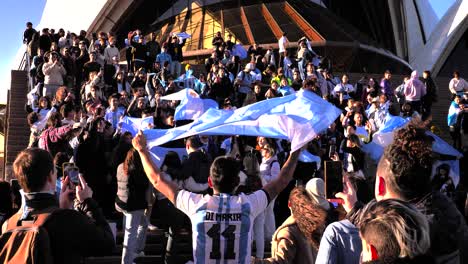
(351, 125)
(114, 96)
(409, 161)
(147, 111)
(59, 159)
(47, 99)
(406, 108)
(308, 82)
(363, 191)
(66, 109)
(32, 167)
(172, 160)
(132, 165)
(173, 163)
(32, 118)
(428, 73)
(355, 139)
(194, 142)
(54, 120)
(224, 174)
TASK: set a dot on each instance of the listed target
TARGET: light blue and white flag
(454, 171)
(191, 105)
(384, 137)
(298, 117)
(133, 124)
(159, 153)
(391, 123)
(239, 50)
(183, 35)
(44, 115)
(454, 109)
(308, 157)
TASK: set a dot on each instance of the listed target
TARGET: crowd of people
(231, 192)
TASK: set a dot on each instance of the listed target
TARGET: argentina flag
(298, 118)
(191, 105)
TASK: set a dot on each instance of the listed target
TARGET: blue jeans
(136, 224)
(301, 65)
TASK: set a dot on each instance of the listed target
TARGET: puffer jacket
(131, 191)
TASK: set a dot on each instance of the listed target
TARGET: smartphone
(71, 170)
(333, 178)
(332, 151)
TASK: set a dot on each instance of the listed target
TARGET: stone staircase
(440, 109)
(155, 248)
(17, 129)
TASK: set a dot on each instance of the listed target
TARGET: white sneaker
(152, 227)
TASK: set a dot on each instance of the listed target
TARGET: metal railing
(25, 65)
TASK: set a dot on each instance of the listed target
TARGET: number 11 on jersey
(228, 234)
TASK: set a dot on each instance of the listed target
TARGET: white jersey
(222, 224)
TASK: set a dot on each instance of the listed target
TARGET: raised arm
(285, 176)
(167, 188)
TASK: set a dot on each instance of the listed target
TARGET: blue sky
(13, 17)
(440, 6)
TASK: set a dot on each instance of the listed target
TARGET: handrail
(25, 65)
(23, 62)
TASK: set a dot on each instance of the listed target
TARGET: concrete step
(17, 135)
(151, 249)
(117, 259)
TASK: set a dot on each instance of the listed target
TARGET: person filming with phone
(45, 229)
(53, 72)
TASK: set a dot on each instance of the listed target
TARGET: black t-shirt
(28, 34)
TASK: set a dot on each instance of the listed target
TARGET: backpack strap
(37, 221)
(273, 161)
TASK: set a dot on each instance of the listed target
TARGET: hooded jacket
(414, 88)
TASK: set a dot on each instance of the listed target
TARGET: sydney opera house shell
(358, 36)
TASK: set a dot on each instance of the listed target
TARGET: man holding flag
(222, 222)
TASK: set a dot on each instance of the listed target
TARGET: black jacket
(175, 50)
(431, 92)
(196, 166)
(139, 51)
(45, 43)
(221, 89)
